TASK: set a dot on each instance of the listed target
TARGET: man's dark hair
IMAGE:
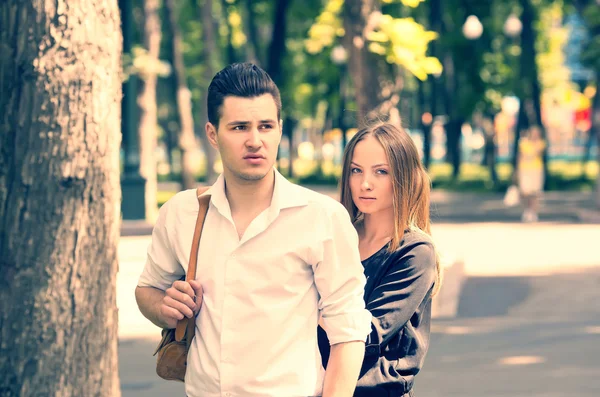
(244, 80)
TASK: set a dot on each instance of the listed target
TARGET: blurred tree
(380, 48)
(277, 47)
(60, 78)
(210, 62)
(529, 89)
(187, 138)
(148, 69)
(253, 47)
(590, 12)
(231, 21)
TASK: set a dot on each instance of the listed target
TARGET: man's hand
(181, 300)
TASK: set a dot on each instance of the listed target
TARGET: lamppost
(339, 56)
(132, 183)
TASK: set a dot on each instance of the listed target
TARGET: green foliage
(591, 16)
(552, 37)
(402, 41)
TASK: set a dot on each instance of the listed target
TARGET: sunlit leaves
(404, 42)
(327, 27)
(408, 3)
(401, 41)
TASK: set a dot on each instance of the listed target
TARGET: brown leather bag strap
(188, 324)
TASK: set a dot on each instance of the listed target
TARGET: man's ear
(211, 134)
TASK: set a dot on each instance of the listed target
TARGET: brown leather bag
(175, 344)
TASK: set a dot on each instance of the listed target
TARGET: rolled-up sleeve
(340, 280)
(162, 267)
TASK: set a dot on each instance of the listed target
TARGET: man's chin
(254, 176)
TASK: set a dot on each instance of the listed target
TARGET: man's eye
(266, 127)
(239, 127)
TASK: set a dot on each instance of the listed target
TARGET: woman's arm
(400, 292)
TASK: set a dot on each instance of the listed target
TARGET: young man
(273, 258)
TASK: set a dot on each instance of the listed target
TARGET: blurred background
(518, 314)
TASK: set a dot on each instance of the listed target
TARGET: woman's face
(370, 177)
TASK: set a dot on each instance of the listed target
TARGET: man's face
(248, 136)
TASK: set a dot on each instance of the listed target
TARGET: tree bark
(148, 108)
(187, 138)
(60, 78)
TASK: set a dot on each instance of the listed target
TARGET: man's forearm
(343, 369)
(148, 301)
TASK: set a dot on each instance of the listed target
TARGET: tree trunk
(288, 130)
(536, 90)
(425, 125)
(148, 108)
(210, 61)
(187, 138)
(363, 65)
(453, 126)
(60, 78)
(277, 49)
(254, 48)
(231, 54)
(530, 113)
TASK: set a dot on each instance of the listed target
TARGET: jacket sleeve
(400, 292)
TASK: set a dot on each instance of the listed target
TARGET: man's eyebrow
(238, 122)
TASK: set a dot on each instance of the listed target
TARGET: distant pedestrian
(531, 172)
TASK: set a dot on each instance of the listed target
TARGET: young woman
(386, 190)
(531, 172)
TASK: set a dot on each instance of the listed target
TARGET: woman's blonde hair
(410, 183)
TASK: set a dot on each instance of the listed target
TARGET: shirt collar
(285, 195)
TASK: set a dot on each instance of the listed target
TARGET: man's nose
(254, 138)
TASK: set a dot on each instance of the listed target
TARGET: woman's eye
(382, 172)
(354, 170)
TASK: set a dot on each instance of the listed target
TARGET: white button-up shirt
(262, 295)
